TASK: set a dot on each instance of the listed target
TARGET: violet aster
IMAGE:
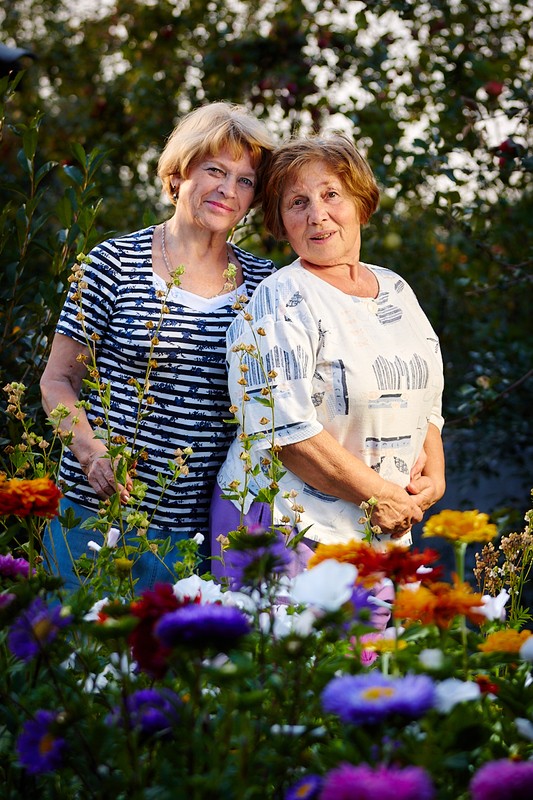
(208, 624)
(503, 780)
(370, 698)
(149, 711)
(251, 565)
(14, 567)
(35, 627)
(39, 747)
(348, 782)
(305, 789)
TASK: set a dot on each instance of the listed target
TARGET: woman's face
(320, 217)
(217, 192)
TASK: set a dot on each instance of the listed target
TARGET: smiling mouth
(219, 205)
(321, 237)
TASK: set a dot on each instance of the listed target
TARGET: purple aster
(503, 780)
(35, 627)
(362, 608)
(150, 711)
(369, 698)
(208, 624)
(251, 566)
(6, 599)
(39, 747)
(306, 789)
(14, 567)
(348, 782)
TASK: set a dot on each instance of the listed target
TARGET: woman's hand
(100, 473)
(396, 510)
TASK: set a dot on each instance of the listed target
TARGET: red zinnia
(150, 654)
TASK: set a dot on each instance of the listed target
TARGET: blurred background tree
(437, 94)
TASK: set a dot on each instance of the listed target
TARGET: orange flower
(439, 603)
(39, 496)
(461, 526)
(507, 641)
(397, 562)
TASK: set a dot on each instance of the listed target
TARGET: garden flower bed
(268, 688)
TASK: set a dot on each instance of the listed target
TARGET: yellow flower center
(41, 629)
(46, 743)
(377, 692)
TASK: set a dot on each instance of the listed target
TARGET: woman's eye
(215, 170)
(247, 182)
(332, 193)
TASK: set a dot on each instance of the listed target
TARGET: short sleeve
(271, 362)
(80, 319)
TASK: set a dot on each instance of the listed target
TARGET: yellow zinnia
(461, 526)
(507, 641)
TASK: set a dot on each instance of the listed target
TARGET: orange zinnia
(439, 603)
(21, 497)
(461, 526)
(397, 562)
(507, 641)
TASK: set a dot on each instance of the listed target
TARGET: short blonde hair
(205, 132)
(341, 155)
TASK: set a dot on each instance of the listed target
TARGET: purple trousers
(225, 517)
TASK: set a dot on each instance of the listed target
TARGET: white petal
(453, 691)
(328, 585)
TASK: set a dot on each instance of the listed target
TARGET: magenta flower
(368, 699)
(503, 780)
(39, 747)
(149, 711)
(348, 782)
(14, 567)
(209, 624)
(34, 628)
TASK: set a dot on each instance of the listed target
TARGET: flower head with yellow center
(461, 526)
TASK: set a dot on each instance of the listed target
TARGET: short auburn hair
(339, 153)
(206, 131)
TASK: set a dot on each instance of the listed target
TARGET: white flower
(453, 691)
(194, 587)
(239, 600)
(284, 623)
(113, 535)
(525, 728)
(526, 651)
(328, 585)
(94, 546)
(494, 607)
(198, 538)
(296, 730)
(431, 658)
(92, 614)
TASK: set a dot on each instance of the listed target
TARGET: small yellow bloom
(507, 641)
(461, 526)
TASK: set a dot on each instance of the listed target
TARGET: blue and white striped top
(122, 304)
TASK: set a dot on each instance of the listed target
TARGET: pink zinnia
(349, 782)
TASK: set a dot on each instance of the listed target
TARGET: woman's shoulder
(135, 241)
(390, 278)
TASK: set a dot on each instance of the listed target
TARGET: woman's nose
(316, 211)
(228, 185)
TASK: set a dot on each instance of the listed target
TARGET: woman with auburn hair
(168, 392)
(355, 368)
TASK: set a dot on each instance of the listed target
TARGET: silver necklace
(228, 285)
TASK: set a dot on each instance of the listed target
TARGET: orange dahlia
(507, 641)
(397, 562)
(439, 603)
(461, 526)
(21, 497)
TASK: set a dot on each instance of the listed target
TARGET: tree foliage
(437, 94)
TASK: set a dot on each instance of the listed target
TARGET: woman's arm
(61, 383)
(327, 466)
(430, 486)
